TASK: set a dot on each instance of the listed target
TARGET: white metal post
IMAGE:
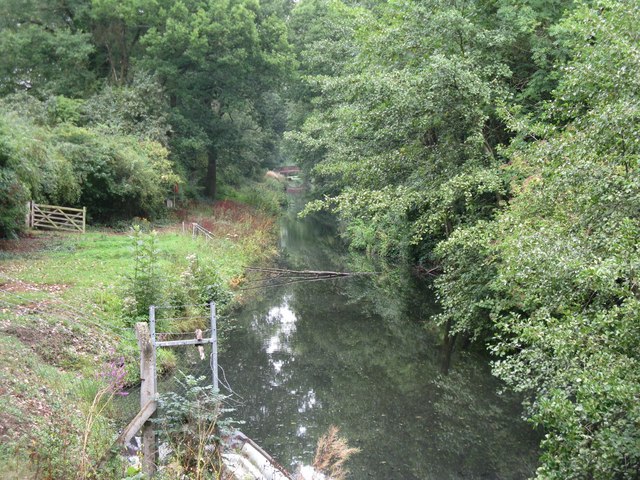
(214, 346)
(152, 324)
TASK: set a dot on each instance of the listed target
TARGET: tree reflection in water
(361, 353)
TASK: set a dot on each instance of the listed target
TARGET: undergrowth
(64, 318)
(190, 421)
(268, 197)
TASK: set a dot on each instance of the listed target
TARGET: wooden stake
(147, 393)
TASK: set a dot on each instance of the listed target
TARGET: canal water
(363, 354)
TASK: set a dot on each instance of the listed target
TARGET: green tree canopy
(216, 60)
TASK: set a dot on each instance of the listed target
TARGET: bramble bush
(191, 422)
(191, 290)
(200, 284)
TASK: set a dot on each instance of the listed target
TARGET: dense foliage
(497, 141)
(50, 157)
(110, 105)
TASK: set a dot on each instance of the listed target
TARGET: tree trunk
(210, 181)
(448, 346)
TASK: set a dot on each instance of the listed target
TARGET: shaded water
(360, 353)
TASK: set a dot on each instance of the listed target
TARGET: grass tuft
(332, 452)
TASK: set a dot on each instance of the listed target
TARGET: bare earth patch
(56, 344)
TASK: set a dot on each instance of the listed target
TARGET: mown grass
(62, 322)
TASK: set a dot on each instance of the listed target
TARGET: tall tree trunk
(210, 181)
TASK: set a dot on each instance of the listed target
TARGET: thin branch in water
(288, 283)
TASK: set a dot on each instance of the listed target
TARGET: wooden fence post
(148, 393)
(84, 219)
(27, 219)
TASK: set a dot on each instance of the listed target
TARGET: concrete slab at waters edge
(245, 460)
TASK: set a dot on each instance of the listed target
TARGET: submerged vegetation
(494, 141)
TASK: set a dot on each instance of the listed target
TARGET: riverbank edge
(61, 326)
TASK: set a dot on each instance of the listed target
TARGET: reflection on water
(361, 353)
(282, 322)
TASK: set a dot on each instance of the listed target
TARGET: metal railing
(198, 229)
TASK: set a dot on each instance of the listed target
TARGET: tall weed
(145, 285)
(190, 423)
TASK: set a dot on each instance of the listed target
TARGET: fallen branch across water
(313, 273)
(276, 277)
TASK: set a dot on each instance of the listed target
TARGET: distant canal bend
(359, 353)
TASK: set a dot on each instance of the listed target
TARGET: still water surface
(361, 353)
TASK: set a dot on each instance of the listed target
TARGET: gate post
(32, 214)
(27, 219)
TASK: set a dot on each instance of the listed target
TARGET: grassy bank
(66, 327)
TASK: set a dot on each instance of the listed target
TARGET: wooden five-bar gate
(57, 218)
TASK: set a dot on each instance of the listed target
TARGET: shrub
(121, 175)
(268, 197)
(13, 198)
(190, 423)
(199, 284)
(115, 175)
(145, 284)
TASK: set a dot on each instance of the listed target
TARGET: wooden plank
(58, 219)
(59, 215)
(148, 390)
(179, 343)
(41, 205)
(57, 228)
(54, 223)
(42, 219)
(49, 223)
(138, 421)
(71, 218)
